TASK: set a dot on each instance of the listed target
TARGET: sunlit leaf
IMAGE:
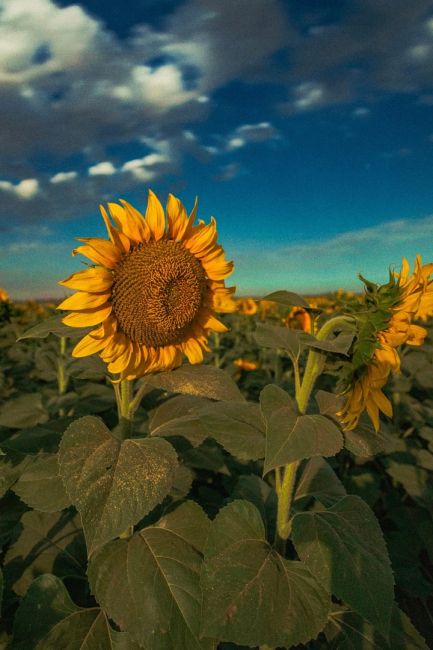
(201, 380)
(113, 483)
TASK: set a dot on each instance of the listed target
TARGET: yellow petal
(89, 345)
(117, 238)
(214, 324)
(121, 362)
(136, 222)
(155, 216)
(193, 351)
(99, 251)
(382, 402)
(373, 412)
(83, 300)
(88, 318)
(202, 239)
(93, 280)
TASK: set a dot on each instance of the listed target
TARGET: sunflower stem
(136, 401)
(62, 379)
(314, 367)
(125, 419)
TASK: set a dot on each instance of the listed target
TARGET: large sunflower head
(151, 290)
(384, 324)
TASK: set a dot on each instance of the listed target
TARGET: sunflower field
(184, 469)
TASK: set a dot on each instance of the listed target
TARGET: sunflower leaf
(291, 437)
(47, 542)
(48, 619)
(288, 299)
(160, 602)
(275, 337)
(237, 426)
(112, 483)
(203, 381)
(251, 594)
(40, 485)
(53, 325)
(23, 411)
(346, 629)
(344, 548)
(318, 480)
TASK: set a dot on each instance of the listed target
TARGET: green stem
(125, 419)
(135, 403)
(285, 497)
(313, 369)
(216, 341)
(62, 378)
(316, 361)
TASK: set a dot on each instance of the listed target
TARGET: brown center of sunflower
(157, 293)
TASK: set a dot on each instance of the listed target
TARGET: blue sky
(305, 127)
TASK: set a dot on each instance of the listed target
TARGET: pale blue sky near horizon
(305, 127)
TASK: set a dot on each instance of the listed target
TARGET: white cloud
(361, 111)
(63, 177)
(25, 189)
(420, 52)
(308, 94)
(236, 143)
(105, 168)
(249, 133)
(146, 168)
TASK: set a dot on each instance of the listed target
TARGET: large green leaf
(344, 548)
(361, 441)
(53, 325)
(251, 595)
(204, 381)
(272, 398)
(237, 426)
(276, 338)
(46, 543)
(113, 483)
(47, 619)
(149, 584)
(346, 630)
(291, 437)
(318, 480)
(23, 411)
(40, 485)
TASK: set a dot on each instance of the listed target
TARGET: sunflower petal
(99, 251)
(89, 317)
(136, 222)
(88, 345)
(193, 351)
(83, 300)
(155, 216)
(94, 280)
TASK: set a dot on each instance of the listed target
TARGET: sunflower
(4, 296)
(151, 290)
(247, 306)
(298, 318)
(401, 300)
(246, 364)
(224, 302)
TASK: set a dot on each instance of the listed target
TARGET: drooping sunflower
(151, 289)
(388, 324)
